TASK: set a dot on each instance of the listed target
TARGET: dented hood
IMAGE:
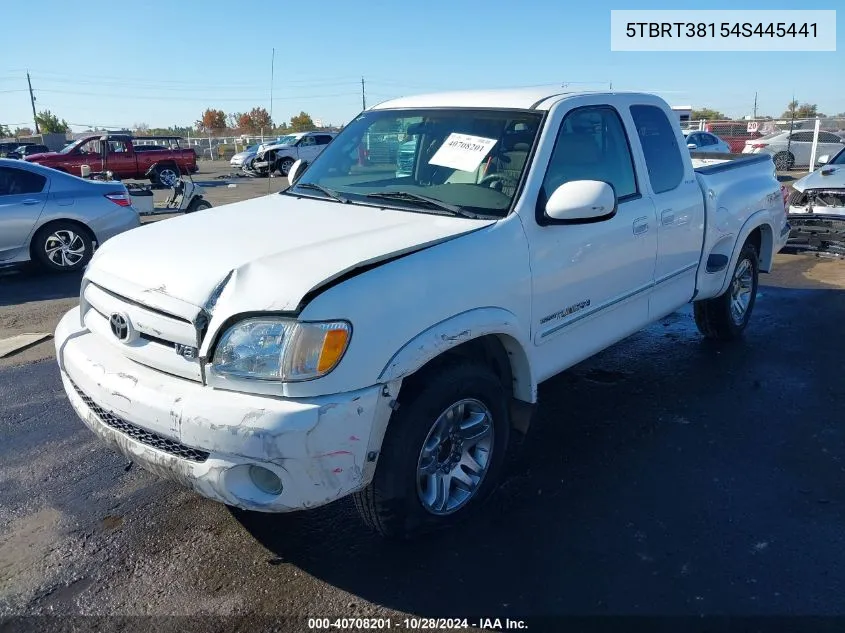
(277, 249)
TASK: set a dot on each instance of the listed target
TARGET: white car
(817, 207)
(792, 149)
(706, 142)
(383, 336)
(240, 158)
(281, 155)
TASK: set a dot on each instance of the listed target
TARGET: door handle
(667, 217)
(640, 225)
(31, 201)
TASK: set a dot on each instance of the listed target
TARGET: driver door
(591, 278)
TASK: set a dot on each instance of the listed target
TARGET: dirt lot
(664, 477)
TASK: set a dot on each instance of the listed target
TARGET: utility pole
(755, 106)
(32, 101)
(363, 96)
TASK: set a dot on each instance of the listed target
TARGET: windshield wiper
(331, 193)
(416, 197)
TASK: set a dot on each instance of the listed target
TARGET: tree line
(212, 121)
(794, 110)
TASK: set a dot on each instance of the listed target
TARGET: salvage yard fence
(795, 143)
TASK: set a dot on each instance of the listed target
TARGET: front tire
(283, 165)
(725, 317)
(443, 452)
(63, 247)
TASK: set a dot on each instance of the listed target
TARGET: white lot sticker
(462, 151)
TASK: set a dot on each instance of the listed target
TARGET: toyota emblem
(119, 324)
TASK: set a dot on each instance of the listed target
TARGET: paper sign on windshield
(462, 151)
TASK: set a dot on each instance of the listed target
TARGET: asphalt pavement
(666, 476)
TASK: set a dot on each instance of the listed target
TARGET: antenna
(755, 105)
(363, 96)
(272, 64)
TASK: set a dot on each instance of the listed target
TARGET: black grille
(148, 438)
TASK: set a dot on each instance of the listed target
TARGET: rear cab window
(660, 147)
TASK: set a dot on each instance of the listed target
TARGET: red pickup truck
(117, 154)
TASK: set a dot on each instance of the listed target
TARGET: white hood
(277, 248)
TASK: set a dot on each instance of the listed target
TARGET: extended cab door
(121, 159)
(672, 186)
(23, 194)
(591, 279)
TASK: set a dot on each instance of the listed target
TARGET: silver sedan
(57, 219)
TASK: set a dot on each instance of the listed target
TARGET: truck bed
(714, 162)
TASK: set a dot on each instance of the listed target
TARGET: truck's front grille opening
(148, 438)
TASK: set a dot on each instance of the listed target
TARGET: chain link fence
(792, 143)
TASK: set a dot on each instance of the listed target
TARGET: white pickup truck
(383, 335)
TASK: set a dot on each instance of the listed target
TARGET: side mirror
(582, 201)
(823, 160)
(692, 145)
(296, 170)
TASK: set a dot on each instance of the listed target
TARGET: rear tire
(62, 246)
(165, 175)
(457, 409)
(198, 205)
(784, 161)
(725, 317)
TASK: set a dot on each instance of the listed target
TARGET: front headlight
(281, 349)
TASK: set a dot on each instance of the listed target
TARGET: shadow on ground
(665, 476)
(28, 283)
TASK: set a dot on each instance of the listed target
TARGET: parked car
(6, 148)
(792, 149)
(238, 159)
(280, 157)
(55, 218)
(384, 337)
(706, 142)
(817, 207)
(734, 133)
(161, 164)
(27, 150)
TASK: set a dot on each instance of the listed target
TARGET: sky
(117, 64)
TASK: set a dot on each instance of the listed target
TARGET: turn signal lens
(334, 344)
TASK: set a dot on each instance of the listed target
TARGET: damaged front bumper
(818, 229)
(321, 448)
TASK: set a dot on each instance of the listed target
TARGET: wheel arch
(758, 230)
(492, 334)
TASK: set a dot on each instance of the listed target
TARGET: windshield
(69, 148)
(838, 159)
(285, 140)
(436, 160)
